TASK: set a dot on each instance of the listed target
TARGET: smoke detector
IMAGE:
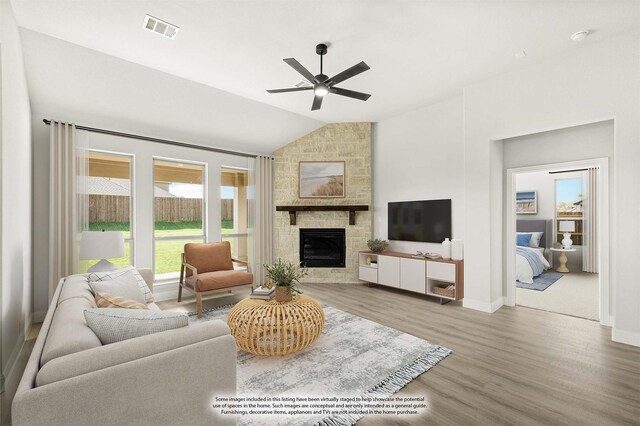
(161, 27)
(580, 35)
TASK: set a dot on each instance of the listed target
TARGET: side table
(267, 327)
(563, 259)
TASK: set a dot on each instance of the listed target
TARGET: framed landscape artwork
(526, 202)
(321, 179)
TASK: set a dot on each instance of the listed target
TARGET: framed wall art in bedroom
(527, 202)
(321, 179)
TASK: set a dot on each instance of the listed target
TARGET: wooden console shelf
(352, 209)
(417, 274)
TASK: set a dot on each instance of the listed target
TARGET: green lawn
(167, 251)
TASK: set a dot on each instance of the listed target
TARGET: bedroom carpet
(352, 357)
(541, 282)
(576, 294)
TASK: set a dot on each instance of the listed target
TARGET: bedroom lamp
(567, 226)
(101, 245)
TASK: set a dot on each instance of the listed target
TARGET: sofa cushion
(223, 279)
(114, 325)
(208, 257)
(124, 285)
(106, 300)
(76, 286)
(69, 332)
(110, 275)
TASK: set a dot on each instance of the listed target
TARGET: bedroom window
(179, 206)
(110, 200)
(569, 203)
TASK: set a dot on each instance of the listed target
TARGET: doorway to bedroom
(556, 237)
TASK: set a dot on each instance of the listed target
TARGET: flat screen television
(424, 221)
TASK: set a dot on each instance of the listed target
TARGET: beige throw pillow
(106, 300)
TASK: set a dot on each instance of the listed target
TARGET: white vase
(456, 249)
(446, 249)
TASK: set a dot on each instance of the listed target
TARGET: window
(569, 199)
(234, 205)
(110, 200)
(179, 206)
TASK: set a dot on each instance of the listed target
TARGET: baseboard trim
(10, 372)
(482, 306)
(627, 337)
(477, 305)
(497, 304)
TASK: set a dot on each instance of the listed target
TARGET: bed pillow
(535, 238)
(114, 324)
(523, 240)
(110, 275)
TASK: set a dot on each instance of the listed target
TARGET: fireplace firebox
(322, 247)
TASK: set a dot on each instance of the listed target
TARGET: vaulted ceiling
(419, 51)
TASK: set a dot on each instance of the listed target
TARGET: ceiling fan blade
(317, 102)
(349, 72)
(291, 89)
(350, 93)
(302, 70)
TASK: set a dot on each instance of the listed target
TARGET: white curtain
(68, 209)
(590, 225)
(260, 195)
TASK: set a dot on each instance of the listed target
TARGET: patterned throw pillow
(106, 300)
(114, 324)
(124, 285)
(110, 275)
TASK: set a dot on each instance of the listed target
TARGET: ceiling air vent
(161, 27)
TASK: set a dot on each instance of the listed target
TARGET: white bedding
(524, 273)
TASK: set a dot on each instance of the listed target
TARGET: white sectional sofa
(168, 378)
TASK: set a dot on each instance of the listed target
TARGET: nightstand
(562, 259)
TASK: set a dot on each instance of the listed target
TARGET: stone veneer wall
(348, 142)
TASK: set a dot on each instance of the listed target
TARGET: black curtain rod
(568, 171)
(157, 140)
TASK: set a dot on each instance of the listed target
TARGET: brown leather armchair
(207, 268)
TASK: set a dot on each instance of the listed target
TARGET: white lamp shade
(567, 226)
(101, 245)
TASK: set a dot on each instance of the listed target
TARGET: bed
(531, 261)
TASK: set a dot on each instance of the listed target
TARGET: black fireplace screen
(322, 247)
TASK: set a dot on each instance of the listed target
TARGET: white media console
(434, 277)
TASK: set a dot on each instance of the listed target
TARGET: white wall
(419, 156)
(598, 82)
(143, 195)
(74, 83)
(15, 197)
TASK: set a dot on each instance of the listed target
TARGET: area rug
(541, 282)
(352, 357)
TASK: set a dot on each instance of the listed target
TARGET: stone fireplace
(348, 142)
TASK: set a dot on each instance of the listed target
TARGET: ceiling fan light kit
(321, 84)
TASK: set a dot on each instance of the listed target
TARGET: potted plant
(285, 275)
(377, 245)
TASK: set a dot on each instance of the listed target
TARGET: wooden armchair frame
(193, 287)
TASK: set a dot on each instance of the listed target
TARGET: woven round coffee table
(267, 327)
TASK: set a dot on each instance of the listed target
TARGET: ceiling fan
(322, 84)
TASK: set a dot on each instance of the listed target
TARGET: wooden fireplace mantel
(352, 209)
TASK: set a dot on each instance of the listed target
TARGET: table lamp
(101, 245)
(567, 226)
